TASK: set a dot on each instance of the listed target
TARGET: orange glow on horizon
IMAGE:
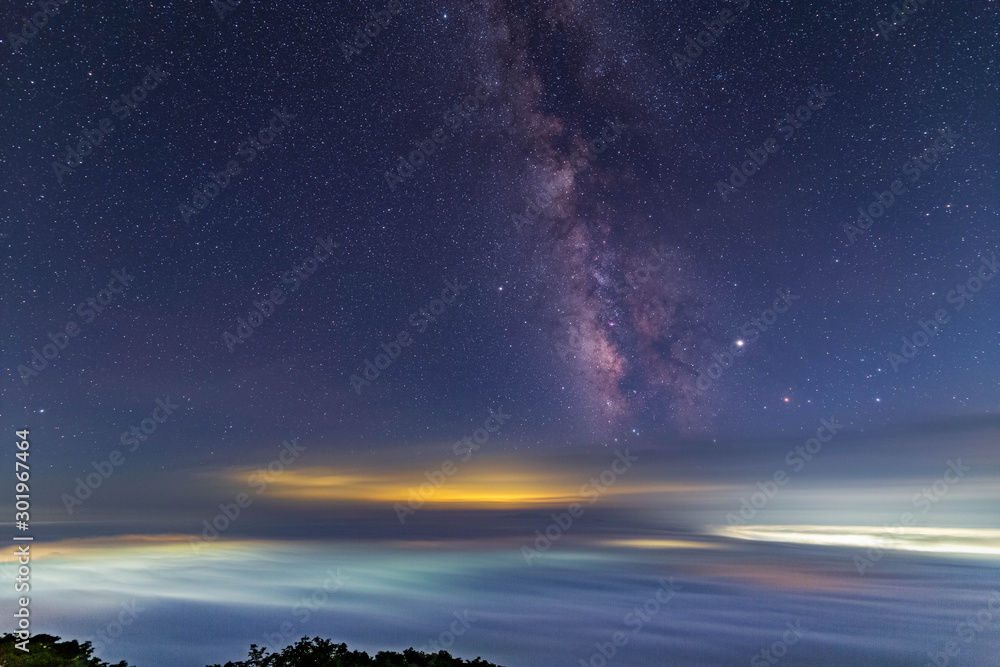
(494, 485)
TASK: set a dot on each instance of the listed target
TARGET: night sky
(518, 238)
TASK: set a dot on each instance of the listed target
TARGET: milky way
(623, 308)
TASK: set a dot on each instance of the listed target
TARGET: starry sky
(345, 236)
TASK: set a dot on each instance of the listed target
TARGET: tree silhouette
(48, 651)
(317, 652)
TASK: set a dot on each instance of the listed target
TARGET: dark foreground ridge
(49, 651)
